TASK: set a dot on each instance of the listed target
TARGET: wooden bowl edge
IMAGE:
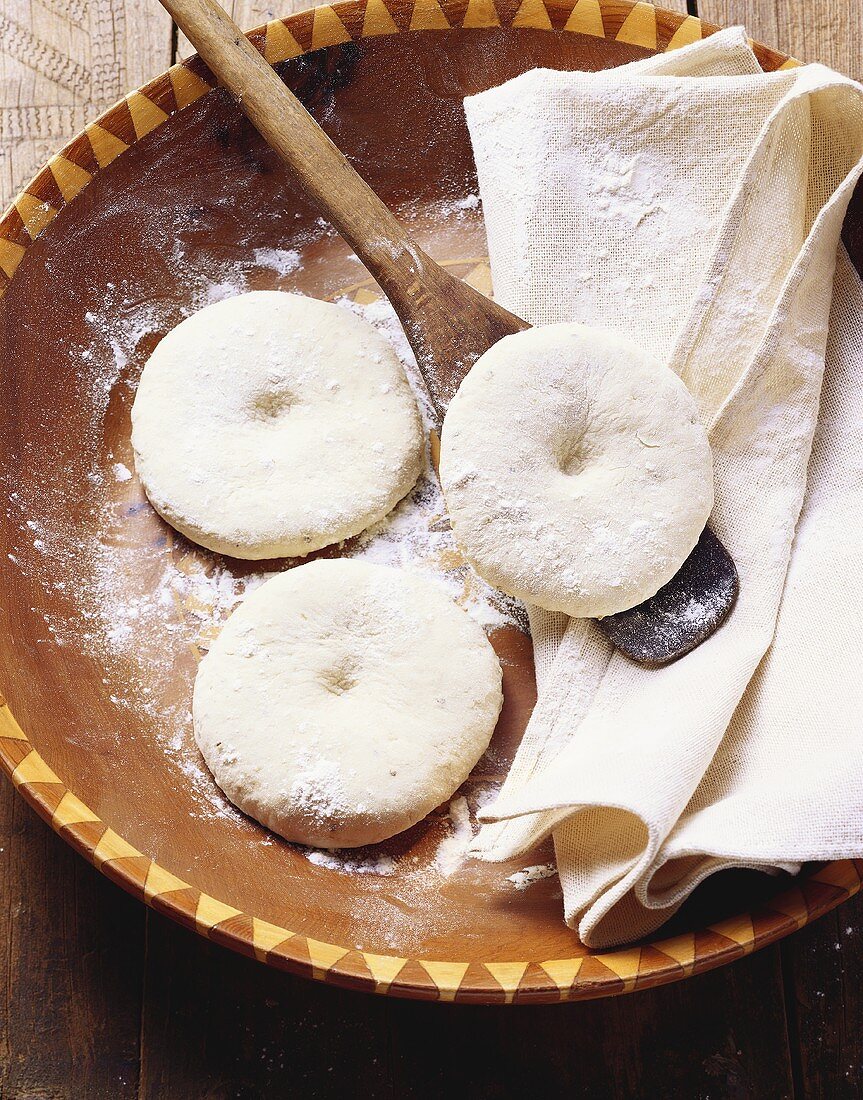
(67, 173)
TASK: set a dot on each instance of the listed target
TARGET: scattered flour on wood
(283, 261)
(335, 859)
(151, 603)
(452, 850)
(527, 876)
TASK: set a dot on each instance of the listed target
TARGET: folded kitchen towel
(694, 203)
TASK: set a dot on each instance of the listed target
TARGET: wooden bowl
(168, 198)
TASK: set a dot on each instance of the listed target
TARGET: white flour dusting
(450, 834)
(452, 850)
(416, 535)
(283, 261)
(346, 863)
(318, 790)
(527, 876)
(153, 603)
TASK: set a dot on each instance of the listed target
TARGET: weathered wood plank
(250, 1032)
(222, 1026)
(70, 970)
(823, 966)
(63, 62)
(830, 31)
(720, 1035)
(248, 14)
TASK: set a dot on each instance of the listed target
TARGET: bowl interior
(106, 611)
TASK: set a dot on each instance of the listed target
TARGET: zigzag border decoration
(59, 183)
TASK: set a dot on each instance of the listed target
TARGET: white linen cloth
(695, 204)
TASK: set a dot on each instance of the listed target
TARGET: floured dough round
(271, 424)
(343, 701)
(576, 472)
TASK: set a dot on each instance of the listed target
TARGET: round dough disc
(576, 472)
(343, 701)
(271, 424)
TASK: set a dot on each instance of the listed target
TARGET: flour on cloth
(694, 204)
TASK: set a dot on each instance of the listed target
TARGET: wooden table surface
(100, 997)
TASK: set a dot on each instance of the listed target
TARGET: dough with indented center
(271, 424)
(343, 701)
(576, 472)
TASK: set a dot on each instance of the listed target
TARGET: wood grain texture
(830, 31)
(248, 13)
(70, 972)
(63, 63)
(264, 1034)
(693, 1039)
(823, 972)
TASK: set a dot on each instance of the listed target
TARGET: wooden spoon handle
(323, 172)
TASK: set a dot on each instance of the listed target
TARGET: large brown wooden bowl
(99, 257)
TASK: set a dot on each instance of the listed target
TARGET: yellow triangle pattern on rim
(479, 278)
(480, 13)
(187, 86)
(791, 63)
(639, 27)
(160, 881)
(327, 28)
(623, 963)
(377, 20)
(33, 769)
(688, 32)
(586, 18)
(13, 254)
(146, 116)
(446, 976)
(71, 178)
(71, 811)
(111, 846)
(35, 214)
(279, 43)
(562, 972)
(679, 948)
(532, 13)
(266, 936)
(209, 912)
(324, 955)
(428, 16)
(507, 975)
(739, 929)
(105, 145)
(384, 969)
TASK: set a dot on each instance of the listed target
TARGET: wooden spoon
(448, 324)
